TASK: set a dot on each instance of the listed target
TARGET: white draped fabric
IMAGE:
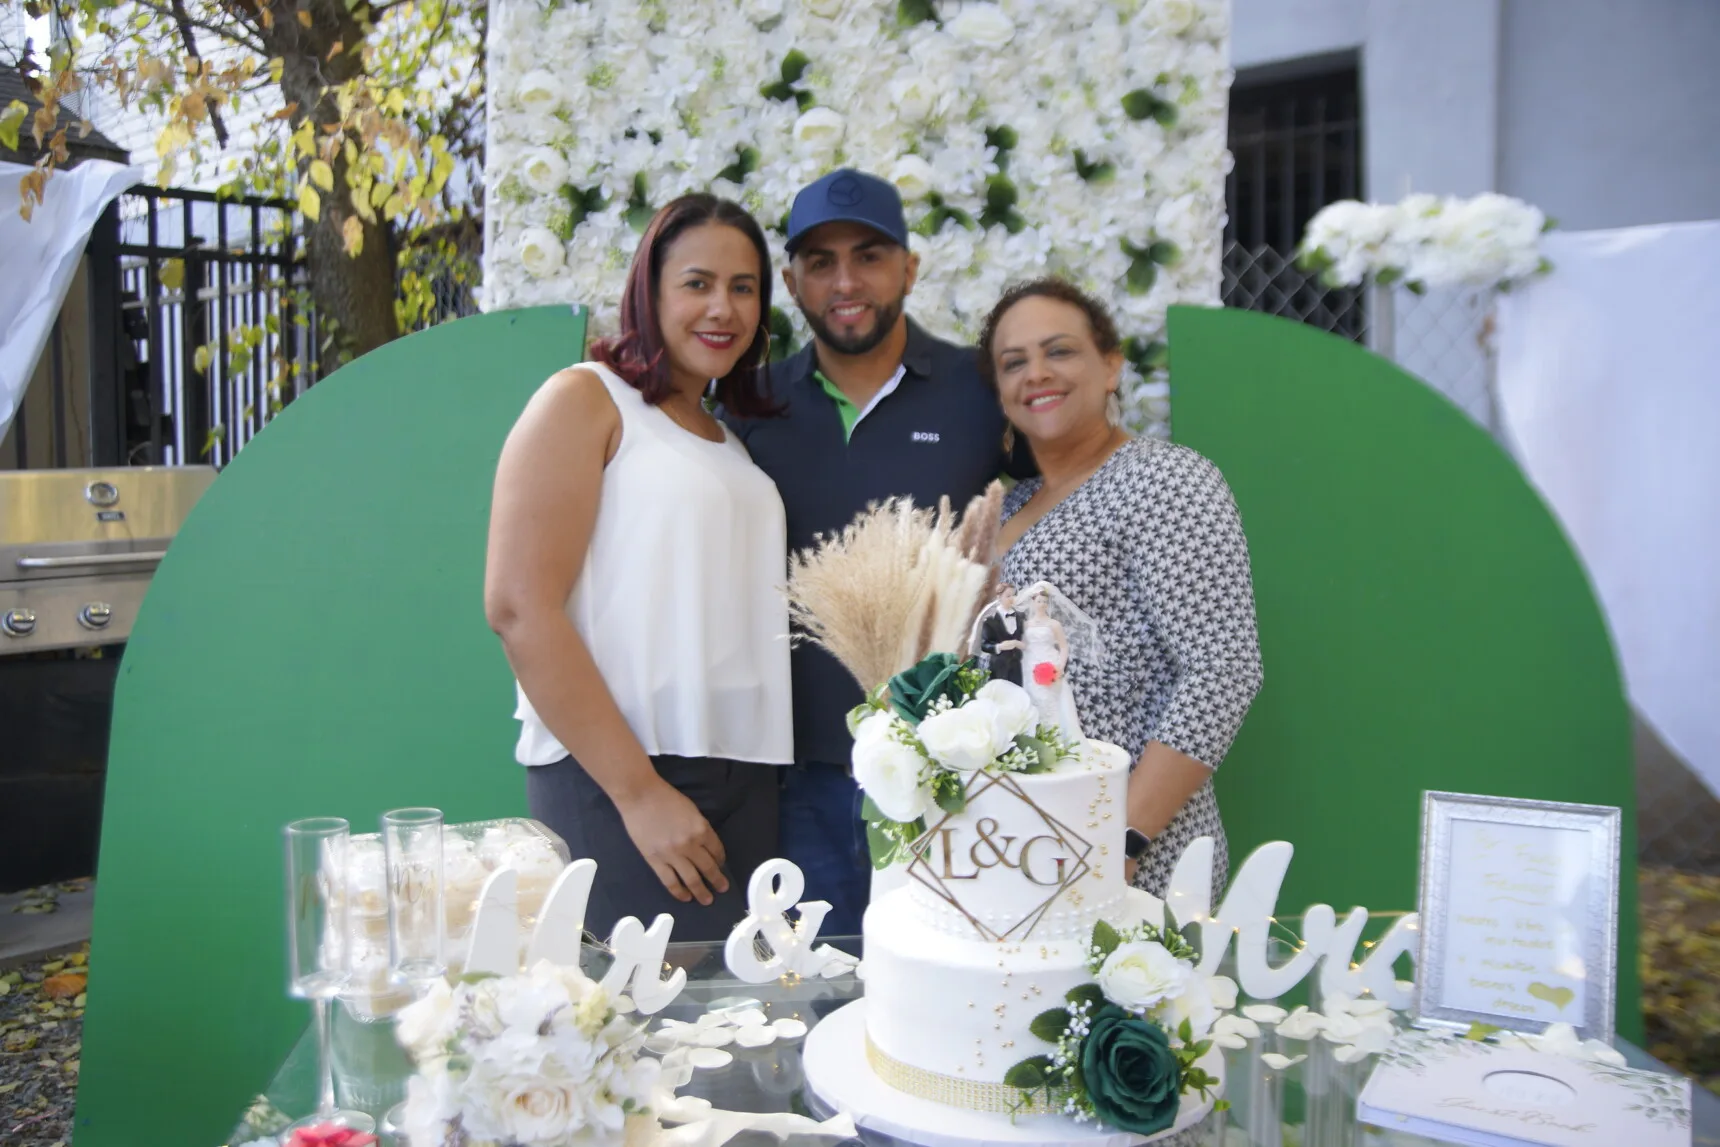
(1609, 390)
(38, 259)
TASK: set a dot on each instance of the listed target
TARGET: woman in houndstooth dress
(1144, 537)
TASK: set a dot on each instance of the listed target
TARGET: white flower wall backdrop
(1084, 138)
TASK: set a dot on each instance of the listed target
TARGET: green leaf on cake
(950, 792)
(1049, 1025)
(1029, 1074)
(1042, 758)
(1086, 994)
(1105, 938)
(794, 66)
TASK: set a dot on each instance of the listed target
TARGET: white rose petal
(709, 1058)
(789, 1028)
(1236, 1025)
(1264, 1013)
(746, 1017)
(961, 739)
(754, 1035)
(1230, 1041)
(829, 9)
(1350, 1053)
(819, 129)
(716, 1037)
(913, 179)
(1223, 992)
(540, 252)
(888, 771)
(983, 24)
(1281, 1062)
(1301, 1024)
(1141, 974)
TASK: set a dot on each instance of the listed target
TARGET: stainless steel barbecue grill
(78, 549)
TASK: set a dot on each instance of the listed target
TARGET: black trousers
(739, 798)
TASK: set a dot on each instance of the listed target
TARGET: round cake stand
(837, 1071)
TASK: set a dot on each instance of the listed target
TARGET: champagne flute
(412, 843)
(318, 943)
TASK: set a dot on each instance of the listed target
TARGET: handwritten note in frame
(1519, 914)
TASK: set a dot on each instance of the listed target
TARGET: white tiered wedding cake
(995, 926)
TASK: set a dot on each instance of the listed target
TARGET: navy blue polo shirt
(939, 433)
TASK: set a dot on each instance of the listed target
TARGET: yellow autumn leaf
(304, 139)
(304, 18)
(10, 121)
(395, 206)
(310, 203)
(322, 174)
(173, 274)
(200, 361)
(352, 235)
(361, 203)
(379, 193)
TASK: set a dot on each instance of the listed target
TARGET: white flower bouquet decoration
(540, 1059)
(1011, 165)
(1489, 241)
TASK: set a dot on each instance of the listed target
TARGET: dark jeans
(822, 833)
(739, 798)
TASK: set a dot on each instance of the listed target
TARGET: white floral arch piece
(1084, 138)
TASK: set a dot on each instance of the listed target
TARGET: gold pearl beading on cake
(955, 1091)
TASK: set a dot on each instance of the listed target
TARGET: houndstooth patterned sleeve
(1191, 559)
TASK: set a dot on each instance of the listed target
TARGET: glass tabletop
(1309, 1104)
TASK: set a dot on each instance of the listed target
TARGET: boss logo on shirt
(925, 436)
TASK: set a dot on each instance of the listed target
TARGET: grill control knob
(17, 623)
(95, 615)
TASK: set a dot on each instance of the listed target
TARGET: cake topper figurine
(996, 640)
(1055, 632)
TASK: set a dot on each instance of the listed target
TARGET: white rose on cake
(1194, 1004)
(888, 770)
(1014, 713)
(913, 177)
(1142, 974)
(961, 739)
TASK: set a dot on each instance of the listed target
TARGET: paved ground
(45, 921)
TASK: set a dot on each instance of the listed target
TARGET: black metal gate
(1298, 147)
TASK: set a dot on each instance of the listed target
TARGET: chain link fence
(1445, 338)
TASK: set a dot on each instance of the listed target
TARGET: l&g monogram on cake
(1004, 850)
(1043, 859)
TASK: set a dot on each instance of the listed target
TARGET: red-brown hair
(638, 355)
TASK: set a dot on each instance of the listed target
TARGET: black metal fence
(1298, 147)
(217, 336)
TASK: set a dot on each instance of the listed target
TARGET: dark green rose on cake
(913, 692)
(1131, 1073)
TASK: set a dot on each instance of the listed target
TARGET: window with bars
(1297, 146)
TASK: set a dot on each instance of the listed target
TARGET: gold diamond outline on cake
(922, 871)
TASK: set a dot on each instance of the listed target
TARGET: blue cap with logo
(847, 196)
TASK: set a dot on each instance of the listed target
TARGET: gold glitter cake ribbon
(957, 1091)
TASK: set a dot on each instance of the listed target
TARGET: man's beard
(858, 343)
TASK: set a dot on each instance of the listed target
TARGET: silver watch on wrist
(1135, 843)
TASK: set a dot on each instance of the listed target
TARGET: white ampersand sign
(775, 888)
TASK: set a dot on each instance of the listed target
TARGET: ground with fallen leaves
(41, 1022)
(1680, 961)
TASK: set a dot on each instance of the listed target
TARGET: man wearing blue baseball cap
(875, 408)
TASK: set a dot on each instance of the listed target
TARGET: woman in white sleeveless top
(636, 557)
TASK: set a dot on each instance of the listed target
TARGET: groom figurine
(875, 408)
(1000, 640)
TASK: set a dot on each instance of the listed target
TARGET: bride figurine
(1045, 659)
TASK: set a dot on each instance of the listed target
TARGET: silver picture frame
(1585, 883)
